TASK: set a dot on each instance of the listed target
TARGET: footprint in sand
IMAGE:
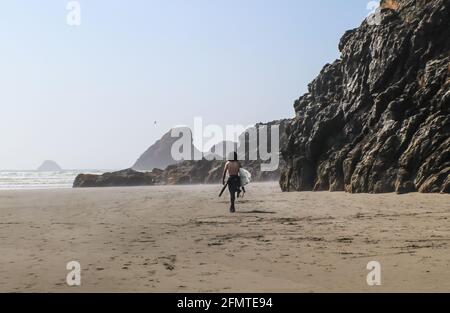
(168, 262)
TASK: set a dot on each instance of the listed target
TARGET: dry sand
(182, 239)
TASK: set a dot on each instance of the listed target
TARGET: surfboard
(246, 177)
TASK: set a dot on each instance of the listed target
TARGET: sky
(88, 96)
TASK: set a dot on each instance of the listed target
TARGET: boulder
(124, 178)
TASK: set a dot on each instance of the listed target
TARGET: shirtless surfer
(234, 182)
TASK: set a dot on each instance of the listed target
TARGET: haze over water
(40, 180)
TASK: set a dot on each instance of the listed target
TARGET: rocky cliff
(377, 119)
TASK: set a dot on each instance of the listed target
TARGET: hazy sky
(88, 96)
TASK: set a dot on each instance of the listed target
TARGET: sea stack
(49, 166)
(159, 155)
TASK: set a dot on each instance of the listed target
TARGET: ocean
(40, 180)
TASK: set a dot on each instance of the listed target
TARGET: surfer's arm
(224, 173)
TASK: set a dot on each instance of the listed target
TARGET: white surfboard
(246, 177)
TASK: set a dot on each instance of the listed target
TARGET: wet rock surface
(377, 119)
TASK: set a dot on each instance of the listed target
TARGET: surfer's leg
(233, 199)
(232, 190)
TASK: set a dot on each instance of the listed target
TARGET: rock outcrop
(254, 166)
(210, 172)
(191, 172)
(49, 166)
(125, 178)
(377, 119)
(159, 154)
(218, 151)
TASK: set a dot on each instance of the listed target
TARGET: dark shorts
(234, 183)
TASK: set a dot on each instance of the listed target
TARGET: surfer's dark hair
(233, 156)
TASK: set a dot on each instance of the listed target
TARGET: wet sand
(182, 239)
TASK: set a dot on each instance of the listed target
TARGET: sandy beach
(182, 239)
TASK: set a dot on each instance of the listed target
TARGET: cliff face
(377, 119)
